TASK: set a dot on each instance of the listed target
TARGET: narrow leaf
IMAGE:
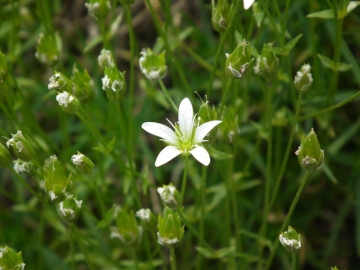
(291, 44)
(327, 62)
(324, 14)
(216, 154)
(92, 43)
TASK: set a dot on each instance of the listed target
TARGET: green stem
(32, 191)
(336, 106)
(132, 55)
(77, 236)
(71, 249)
(202, 212)
(287, 219)
(134, 258)
(184, 180)
(293, 261)
(228, 86)
(99, 198)
(191, 228)
(172, 258)
(167, 95)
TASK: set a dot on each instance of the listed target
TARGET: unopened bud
(54, 178)
(21, 146)
(310, 156)
(113, 83)
(10, 260)
(99, 9)
(3, 67)
(105, 59)
(126, 229)
(267, 63)
(83, 85)
(60, 83)
(171, 230)
(169, 195)
(68, 103)
(290, 240)
(303, 79)
(151, 65)
(147, 219)
(238, 62)
(21, 166)
(46, 49)
(220, 13)
(5, 157)
(82, 163)
(69, 208)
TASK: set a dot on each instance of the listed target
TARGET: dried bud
(169, 195)
(220, 13)
(267, 63)
(21, 147)
(10, 260)
(238, 62)
(290, 240)
(151, 65)
(3, 67)
(21, 166)
(303, 79)
(170, 228)
(310, 156)
(83, 85)
(113, 83)
(126, 229)
(69, 103)
(60, 83)
(54, 178)
(5, 157)
(147, 219)
(82, 163)
(105, 59)
(69, 208)
(46, 49)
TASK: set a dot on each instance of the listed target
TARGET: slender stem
(163, 258)
(191, 228)
(99, 198)
(228, 86)
(287, 219)
(77, 235)
(293, 261)
(71, 249)
(202, 212)
(184, 180)
(172, 258)
(167, 95)
(132, 55)
(134, 257)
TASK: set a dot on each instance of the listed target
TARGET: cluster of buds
(290, 240)
(169, 195)
(267, 63)
(310, 156)
(303, 79)
(55, 181)
(82, 163)
(151, 65)
(98, 8)
(238, 62)
(21, 146)
(220, 13)
(126, 228)
(46, 49)
(3, 67)
(10, 260)
(113, 83)
(170, 228)
(69, 208)
(147, 219)
(83, 85)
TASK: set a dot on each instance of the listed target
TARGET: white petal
(201, 155)
(248, 3)
(167, 154)
(204, 129)
(161, 131)
(186, 117)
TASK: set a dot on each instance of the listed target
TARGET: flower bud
(60, 83)
(10, 260)
(5, 157)
(238, 62)
(113, 83)
(220, 14)
(21, 146)
(83, 85)
(69, 208)
(267, 63)
(126, 229)
(147, 219)
(303, 78)
(46, 49)
(310, 156)
(290, 240)
(3, 67)
(21, 166)
(69, 103)
(54, 178)
(169, 195)
(151, 65)
(82, 163)
(98, 9)
(105, 59)
(170, 228)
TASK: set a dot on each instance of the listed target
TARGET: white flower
(64, 99)
(185, 138)
(105, 58)
(77, 159)
(22, 166)
(143, 214)
(292, 244)
(248, 3)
